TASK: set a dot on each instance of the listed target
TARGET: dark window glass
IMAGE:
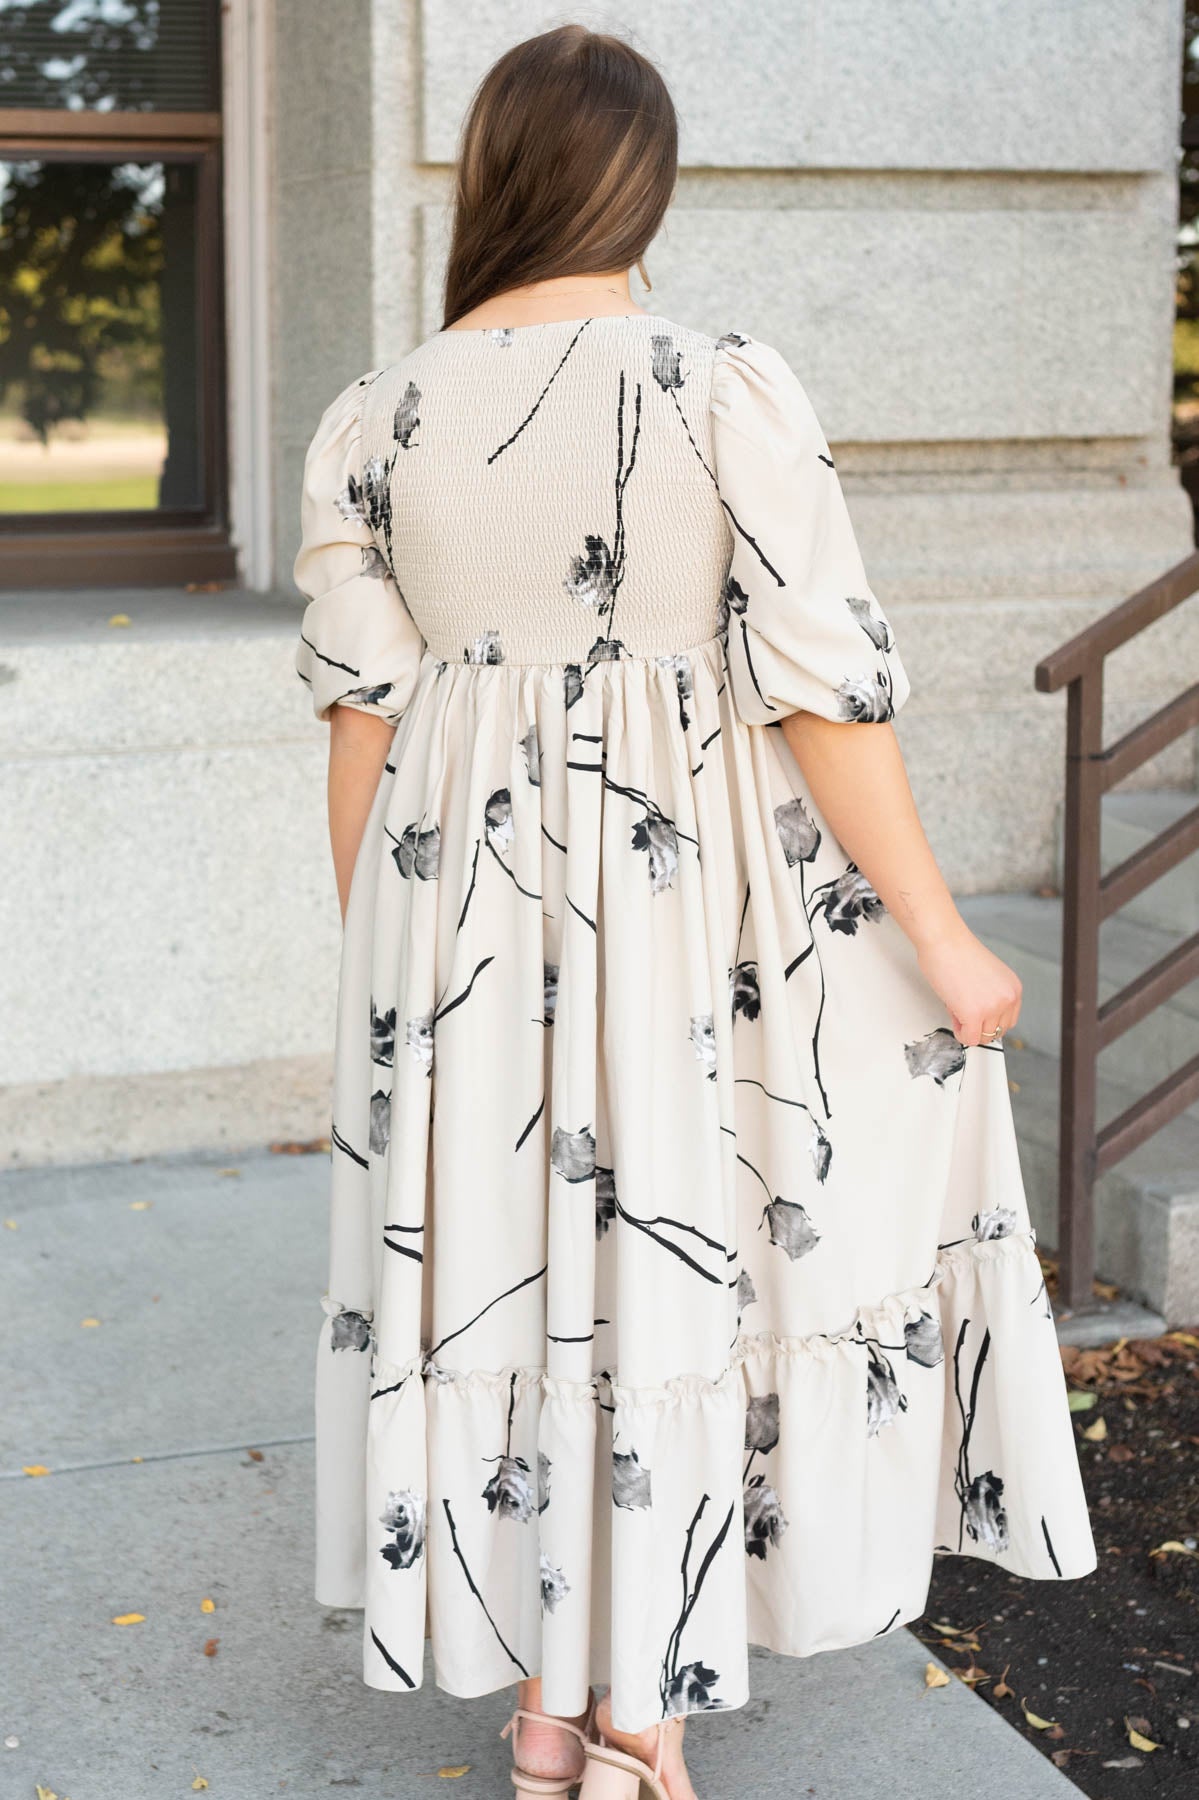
(99, 350)
(109, 55)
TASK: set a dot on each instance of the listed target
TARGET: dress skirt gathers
(682, 1292)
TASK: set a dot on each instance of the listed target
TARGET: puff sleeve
(359, 645)
(804, 631)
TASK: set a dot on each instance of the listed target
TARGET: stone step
(1026, 930)
(1130, 821)
(1146, 1208)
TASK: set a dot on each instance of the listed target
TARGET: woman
(682, 1291)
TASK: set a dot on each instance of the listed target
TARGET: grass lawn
(104, 494)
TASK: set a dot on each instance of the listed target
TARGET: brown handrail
(1086, 1150)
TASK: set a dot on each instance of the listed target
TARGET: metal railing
(1087, 1150)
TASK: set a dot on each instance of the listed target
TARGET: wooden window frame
(133, 546)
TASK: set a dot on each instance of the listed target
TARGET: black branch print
(390, 1660)
(789, 1225)
(594, 578)
(980, 1497)
(536, 406)
(509, 1492)
(470, 1582)
(689, 1687)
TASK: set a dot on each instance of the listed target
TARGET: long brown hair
(568, 161)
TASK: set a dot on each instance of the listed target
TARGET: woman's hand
(978, 990)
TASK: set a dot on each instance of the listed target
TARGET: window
(112, 449)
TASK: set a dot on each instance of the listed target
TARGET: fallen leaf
(210, 1645)
(140, 1205)
(1173, 1544)
(311, 1147)
(935, 1677)
(452, 1771)
(1139, 1741)
(137, 1459)
(1184, 1337)
(1001, 1689)
(1120, 1453)
(228, 1171)
(1096, 1432)
(11, 1225)
(1037, 1724)
(89, 1321)
(207, 1605)
(972, 1676)
(254, 1455)
(1079, 1400)
(199, 1782)
(34, 1469)
(1106, 1290)
(130, 1619)
(44, 1793)
(120, 619)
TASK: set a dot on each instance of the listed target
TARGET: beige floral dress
(682, 1292)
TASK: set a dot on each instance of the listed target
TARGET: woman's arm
(857, 777)
(358, 747)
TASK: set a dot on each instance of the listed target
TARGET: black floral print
(865, 699)
(923, 1341)
(605, 1199)
(501, 336)
(631, 1483)
(544, 1471)
(509, 1492)
(656, 834)
(986, 1519)
(848, 901)
(744, 993)
(876, 628)
(532, 750)
(703, 1042)
(407, 417)
(884, 1402)
(550, 972)
(383, 1035)
(764, 1521)
(498, 820)
(691, 1689)
(993, 1222)
(591, 579)
(666, 363)
(554, 1585)
(486, 648)
(418, 852)
(404, 1518)
(419, 1036)
(746, 1292)
(791, 1228)
(762, 1422)
(938, 1053)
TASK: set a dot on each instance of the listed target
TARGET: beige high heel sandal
(548, 1785)
(612, 1774)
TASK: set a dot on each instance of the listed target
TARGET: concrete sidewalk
(205, 1278)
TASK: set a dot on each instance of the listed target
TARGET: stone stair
(1147, 1207)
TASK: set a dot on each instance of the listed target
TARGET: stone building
(955, 217)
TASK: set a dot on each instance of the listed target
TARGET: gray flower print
(591, 578)
(986, 1516)
(550, 1001)
(497, 820)
(543, 1480)
(605, 1199)
(554, 1585)
(572, 1153)
(532, 749)
(848, 900)
(821, 1152)
(938, 1053)
(744, 992)
(762, 1422)
(350, 1331)
(731, 340)
(665, 365)
(509, 1492)
(419, 1035)
(733, 599)
(486, 648)
(500, 335)
(657, 835)
(404, 1516)
(684, 682)
(418, 852)
(691, 1690)
(572, 684)
(876, 629)
(790, 1228)
(703, 1042)
(884, 1402)
(383, 1036)
(864, 699)
(407, 417)
(351, 503)
(376, 492)
(923, 1341)
(994, 1222)
(764, 1521)
(374, 568)
(630, 1482)
(380, 1123)
(746, 1292)
(798, 834)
